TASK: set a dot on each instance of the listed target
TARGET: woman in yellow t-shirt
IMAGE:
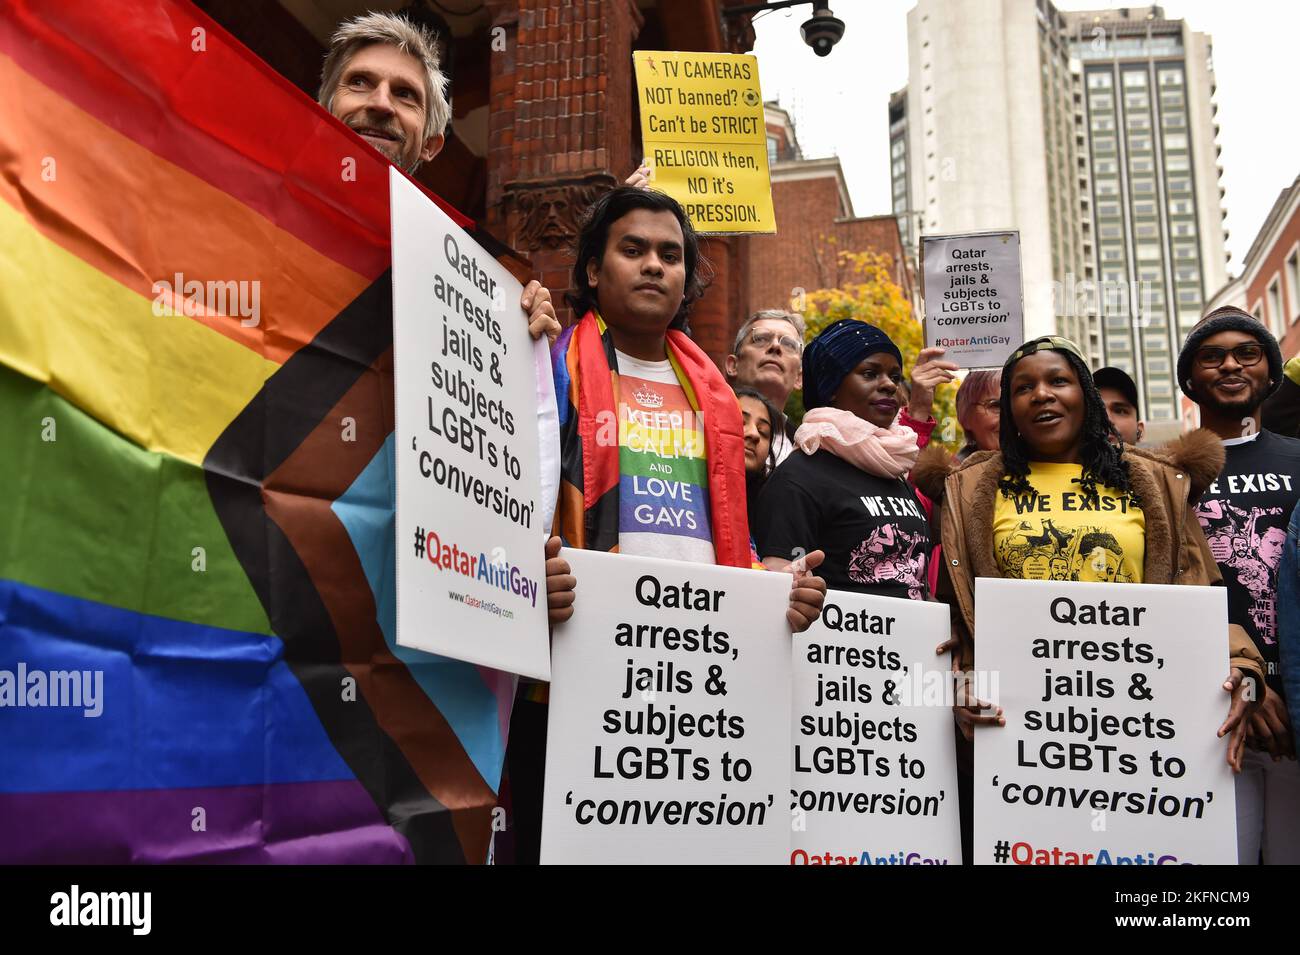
(1064, 499)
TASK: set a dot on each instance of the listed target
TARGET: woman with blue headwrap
(846, 493)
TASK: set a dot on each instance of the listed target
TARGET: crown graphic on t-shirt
(647, 397)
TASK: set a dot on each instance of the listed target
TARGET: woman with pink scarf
(845, 490)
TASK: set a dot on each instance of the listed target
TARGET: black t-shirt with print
(873, 529)
(1244, 515)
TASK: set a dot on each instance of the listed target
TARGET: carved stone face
(551, 215)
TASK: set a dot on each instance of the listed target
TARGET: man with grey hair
(768, 357)
(382, 79)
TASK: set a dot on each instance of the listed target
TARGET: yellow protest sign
(703, 131)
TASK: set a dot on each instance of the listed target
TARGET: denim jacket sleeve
(1288, 616)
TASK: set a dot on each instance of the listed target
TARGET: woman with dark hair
(846, 494)
(761, 421)
(1056, 439)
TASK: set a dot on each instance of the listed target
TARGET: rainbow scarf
(586, 387)
(196, 415)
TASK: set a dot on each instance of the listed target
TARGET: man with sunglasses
(1228, 366)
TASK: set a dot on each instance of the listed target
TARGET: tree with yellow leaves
(865, 290)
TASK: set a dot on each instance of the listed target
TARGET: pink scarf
(884, 452)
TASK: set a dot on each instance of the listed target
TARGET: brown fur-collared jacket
(1169, 480)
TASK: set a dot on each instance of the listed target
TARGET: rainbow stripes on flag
(197, 494)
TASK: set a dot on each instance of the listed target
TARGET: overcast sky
(840, 102)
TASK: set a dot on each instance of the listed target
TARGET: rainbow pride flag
(197, 656)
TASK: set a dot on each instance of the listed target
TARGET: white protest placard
(668, 739)
(974, 301)
(471, 580)
(874, 777)
(1112, 695)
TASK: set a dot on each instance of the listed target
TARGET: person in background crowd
(381, 78)
(1120, 395)
(845, 492)
(1056, 437)
(761, 422)
(1229, 365)
(1280, 412)
(1288, 617)
(979, 411)
(637, 398)
(767, 357)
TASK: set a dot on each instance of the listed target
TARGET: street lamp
(821, 33)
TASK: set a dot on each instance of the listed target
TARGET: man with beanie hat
(1228, 366)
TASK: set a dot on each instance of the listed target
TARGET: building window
(1134, 78)
(1101, 101)
(1171, 77)
(1173, 120)
(1101, 124)
(1175, 141)
(1177, 163)
(1293, 284)
(1097, 79)
(771, 149)
(1275, 313)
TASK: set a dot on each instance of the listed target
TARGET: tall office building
(1156, 208)
(1017, 115)
(984, 137)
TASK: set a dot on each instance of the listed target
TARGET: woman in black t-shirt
(844, 490)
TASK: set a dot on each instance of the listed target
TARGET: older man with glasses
(1228, 366)
(767, 356)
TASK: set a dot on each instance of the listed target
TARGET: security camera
(823, 31)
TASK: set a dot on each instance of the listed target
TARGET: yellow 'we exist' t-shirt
(1059, 533)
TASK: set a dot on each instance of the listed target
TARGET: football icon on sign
(751, 98)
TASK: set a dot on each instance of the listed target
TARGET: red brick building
(815, 221)
(544, 113)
